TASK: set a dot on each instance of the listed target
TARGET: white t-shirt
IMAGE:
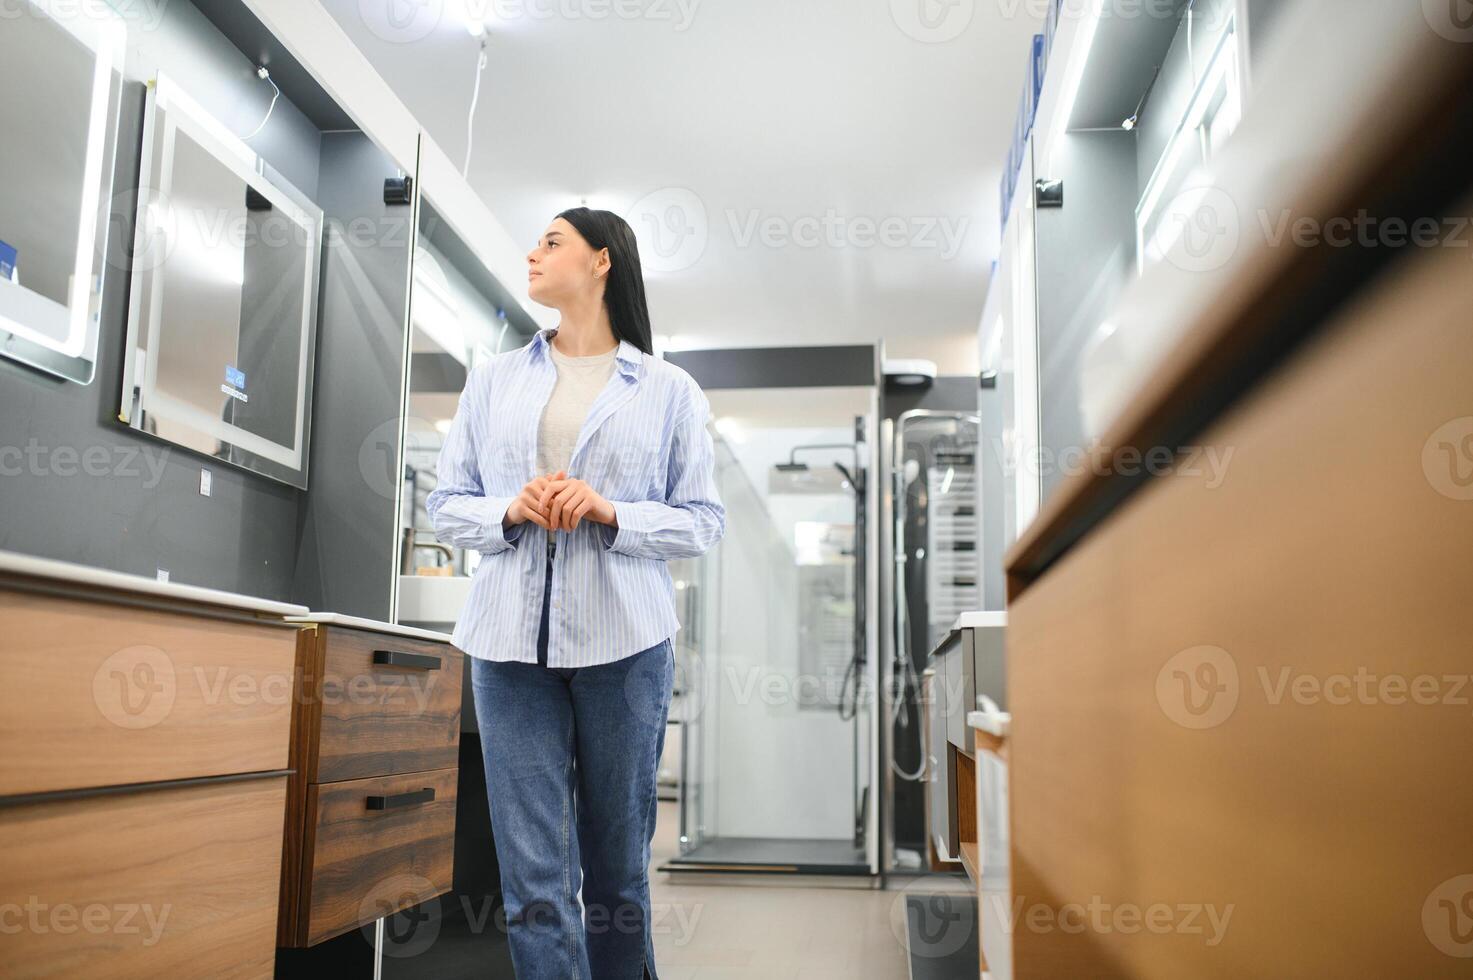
(579, 381)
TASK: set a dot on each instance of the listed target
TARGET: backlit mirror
(57, 145)
(223, 309)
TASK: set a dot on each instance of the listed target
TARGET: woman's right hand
(525, 507)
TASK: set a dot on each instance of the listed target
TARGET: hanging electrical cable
(470, 122)
(265, 76)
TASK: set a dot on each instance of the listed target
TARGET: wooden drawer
(365, 718)
(98, 694)
(371, 849)
(176, 882)
(1200, 700)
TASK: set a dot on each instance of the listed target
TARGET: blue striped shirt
(644, 447)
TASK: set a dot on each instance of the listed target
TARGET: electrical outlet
(204, 483)
(163, 575)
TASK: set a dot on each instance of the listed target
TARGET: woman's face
(564, 267)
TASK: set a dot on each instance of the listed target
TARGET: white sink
(436, 599)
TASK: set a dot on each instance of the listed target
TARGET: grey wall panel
(992, 476)
(1086, 252)
(186, 46)
(76, 484)
(347, 551)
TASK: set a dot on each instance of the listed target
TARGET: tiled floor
(746, 931)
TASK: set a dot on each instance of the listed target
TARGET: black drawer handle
(426, 795)
(398, 658)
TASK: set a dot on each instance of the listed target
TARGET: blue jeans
(571, 755)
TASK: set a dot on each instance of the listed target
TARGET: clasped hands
(558, 503)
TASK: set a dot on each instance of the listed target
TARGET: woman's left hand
(569, 501)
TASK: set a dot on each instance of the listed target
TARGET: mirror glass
(1180, 182)
(223, 309)
(56, 155)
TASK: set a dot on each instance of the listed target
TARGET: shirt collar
(626, 354)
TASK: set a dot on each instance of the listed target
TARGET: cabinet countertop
(981, 619)
(358, 622)
(30, 566)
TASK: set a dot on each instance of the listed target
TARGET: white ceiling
(819, 118)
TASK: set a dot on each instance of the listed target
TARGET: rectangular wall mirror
(223, 310)
(56, 154)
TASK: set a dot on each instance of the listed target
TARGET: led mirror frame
(1221, 84)
(103, 33)
(140, 395)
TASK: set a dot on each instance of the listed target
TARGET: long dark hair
(629, 314)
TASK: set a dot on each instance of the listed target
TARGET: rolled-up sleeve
(691, 518)
(461, 512)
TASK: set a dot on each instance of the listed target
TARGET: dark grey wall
(349, 528)
(842, 365)
(77, 485)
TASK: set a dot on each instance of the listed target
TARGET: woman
(577, 466)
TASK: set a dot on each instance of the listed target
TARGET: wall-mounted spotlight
(912, 373)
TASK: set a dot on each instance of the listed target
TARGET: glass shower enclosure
(776, 677)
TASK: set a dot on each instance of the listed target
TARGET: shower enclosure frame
(745, 369)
